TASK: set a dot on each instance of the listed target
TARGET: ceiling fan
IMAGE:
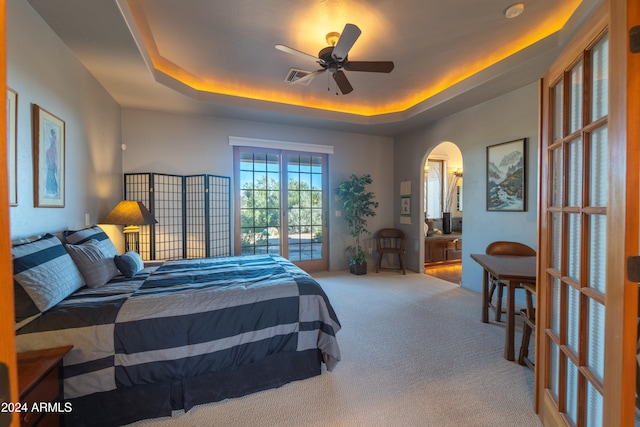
(334, 58)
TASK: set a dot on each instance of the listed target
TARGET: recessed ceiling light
(514, 10)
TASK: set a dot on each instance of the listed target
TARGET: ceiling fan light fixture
(333, 59)
(332, 38)
(514, 10)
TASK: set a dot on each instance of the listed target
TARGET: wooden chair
(529, 326)
(390, 241)
(504, 248)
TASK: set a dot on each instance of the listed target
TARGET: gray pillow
(46, 273)
(78, 237)
(95, 262)
(129, 263)
(24, 307)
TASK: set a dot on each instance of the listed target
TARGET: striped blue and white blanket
(187, 318)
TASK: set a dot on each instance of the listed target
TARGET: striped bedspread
(185, 319)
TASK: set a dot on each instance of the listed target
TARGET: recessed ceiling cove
(216, 51)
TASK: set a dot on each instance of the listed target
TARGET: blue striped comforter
(185, 319)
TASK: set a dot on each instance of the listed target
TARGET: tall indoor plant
(358, 205)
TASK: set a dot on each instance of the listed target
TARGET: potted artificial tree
(358, 204)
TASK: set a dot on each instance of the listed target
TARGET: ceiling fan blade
(292, 51)
(346, 41)
(370, 66)
(308, 77)
(341, 80)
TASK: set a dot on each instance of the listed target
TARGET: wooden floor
(449, 272)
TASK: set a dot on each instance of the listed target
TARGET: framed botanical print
(506, 176)
(12, 145)
(48, 159)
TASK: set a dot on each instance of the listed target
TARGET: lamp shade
(129, 212)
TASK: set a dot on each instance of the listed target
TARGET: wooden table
(511, 270)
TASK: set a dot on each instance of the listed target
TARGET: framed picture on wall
(12, 145)
(405, 206)
(506, 176)
(48, 159)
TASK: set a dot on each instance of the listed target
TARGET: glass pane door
(259, 199)
(305, 219)
(574, 212)
(281, 199)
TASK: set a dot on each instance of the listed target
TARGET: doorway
(280, 199)
(442, 212)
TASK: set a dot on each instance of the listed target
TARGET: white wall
(508, 117)
(44, 71)
(181, 144)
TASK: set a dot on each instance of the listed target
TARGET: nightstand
(40, 384)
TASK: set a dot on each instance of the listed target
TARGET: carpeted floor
(414, 353)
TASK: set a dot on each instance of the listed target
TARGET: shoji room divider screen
(193, 214)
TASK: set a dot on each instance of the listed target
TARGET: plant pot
(358, 269)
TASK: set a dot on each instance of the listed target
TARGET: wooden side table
(40, 386)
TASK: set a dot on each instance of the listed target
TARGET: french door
(582, 358)
(280, 205)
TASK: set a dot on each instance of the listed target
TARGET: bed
(173, 336)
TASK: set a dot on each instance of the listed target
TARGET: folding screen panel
(193, 214)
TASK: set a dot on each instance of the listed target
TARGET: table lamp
(131, 214)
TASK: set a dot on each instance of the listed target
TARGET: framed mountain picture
(506, 176)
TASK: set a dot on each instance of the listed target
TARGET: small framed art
(48, 159)
(506, 176)
(405, 206)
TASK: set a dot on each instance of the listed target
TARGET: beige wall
(508, 117)
(171, 143)
(44, 71)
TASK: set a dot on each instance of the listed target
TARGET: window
(434, 188)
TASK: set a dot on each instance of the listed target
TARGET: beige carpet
(414, 353)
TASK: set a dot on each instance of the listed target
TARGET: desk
(511, 270)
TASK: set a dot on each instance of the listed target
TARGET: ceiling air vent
(295, 74)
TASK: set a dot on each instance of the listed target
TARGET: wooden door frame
(283, 155)
(7, 318)
(624, 127)
(623, 218)
(323, 263)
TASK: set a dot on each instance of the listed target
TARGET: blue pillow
(129, 263)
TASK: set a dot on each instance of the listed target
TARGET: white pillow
(95, 262)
